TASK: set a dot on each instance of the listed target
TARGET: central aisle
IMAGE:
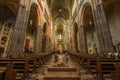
(61, 67)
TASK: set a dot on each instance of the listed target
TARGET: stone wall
(113, 16)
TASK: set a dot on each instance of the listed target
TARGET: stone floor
(69, 71)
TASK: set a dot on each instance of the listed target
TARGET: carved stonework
(102, 29)
(18, 37)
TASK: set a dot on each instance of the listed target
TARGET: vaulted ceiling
(60, 8)
(12, 4)
(8, 8)
(60, 11)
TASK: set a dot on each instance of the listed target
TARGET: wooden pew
(6, 72)
(21, 66)
(100, 65)
(116, 74)
(36, 58)
(45, 57)
(106, 66)
(40, 58)
(91, 64)
(31, 62)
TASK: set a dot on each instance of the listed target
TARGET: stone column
(41, 37)
(46, 44)
(15, 39)
(18, 37)
(97, 22)
(102, 29)
(83, 43)
(23, 29)
(47, 47)
(80, 39)
(105, 28)
(37, 40)
(43, 43)
(73, 42)
(50, 45)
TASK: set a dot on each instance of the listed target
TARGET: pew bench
(20, 66)
(40, 59)
(116, 74)
(106, 67)
(31, 62)
(7, 73)
(84, 61)
(24, 65)
(91, 64)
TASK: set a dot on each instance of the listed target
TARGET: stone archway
(90, 31)
(7, 22)
(101, 27)
(88, 35)
(60, 33)
(31, 32)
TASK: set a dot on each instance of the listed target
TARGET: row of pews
(21, 67)
(102, 67)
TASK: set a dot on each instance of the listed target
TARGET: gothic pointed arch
(7, 23)
(89, 30)
(31, 32)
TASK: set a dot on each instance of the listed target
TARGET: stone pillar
(18, 36)
(43, 43)
(46, 43)
(82, 40)
(21, 45)
(105, 28)
(38, 40)
(102, 29)
(73, 43)
(47, 47)
(15, 39)
(101, 43)
(39, 37)
(49, 44)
